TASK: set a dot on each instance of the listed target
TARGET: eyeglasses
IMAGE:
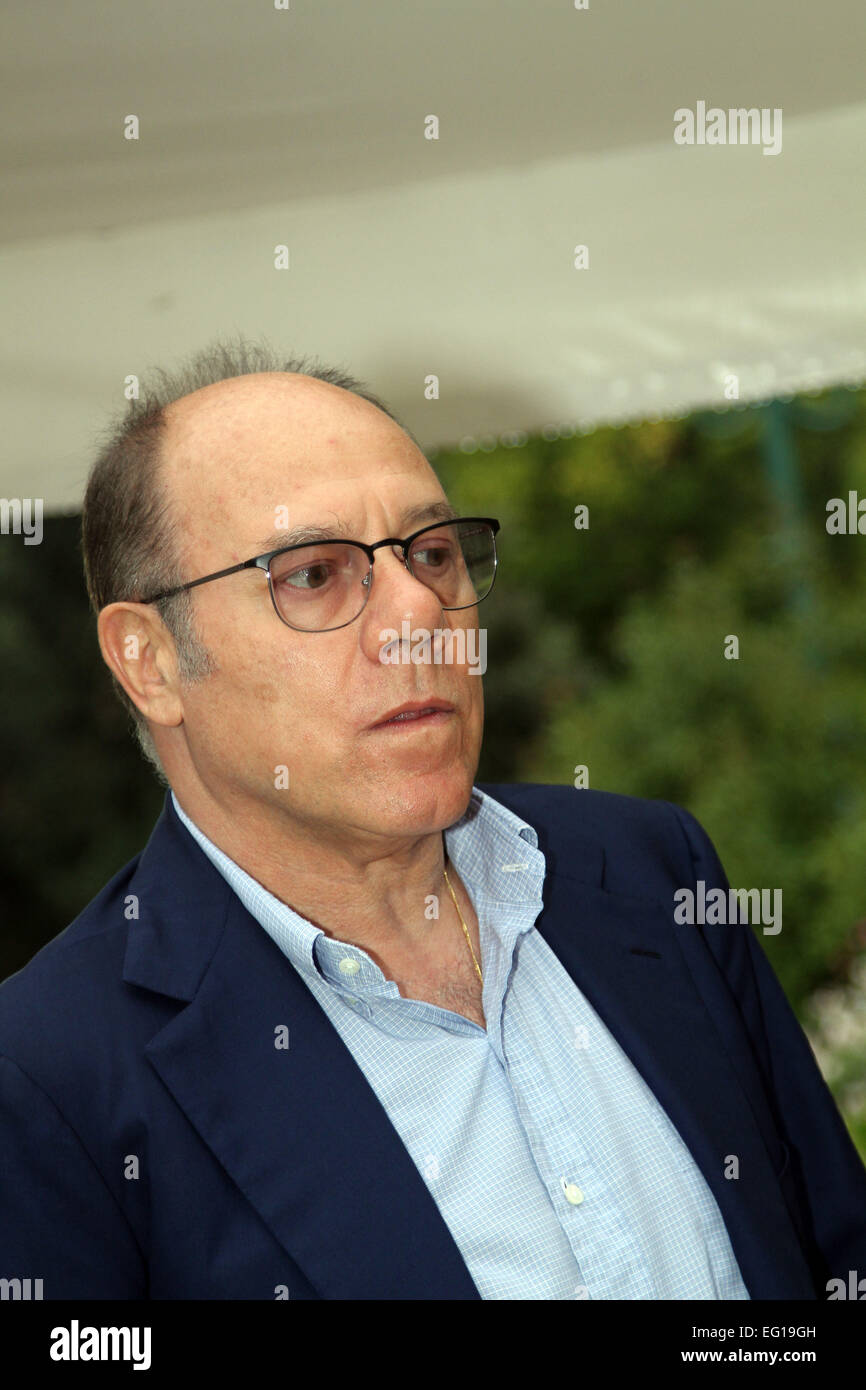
(324, 585)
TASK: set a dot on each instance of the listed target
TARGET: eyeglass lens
(318, 587)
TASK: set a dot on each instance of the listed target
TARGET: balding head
(282, 729)
(130, 541)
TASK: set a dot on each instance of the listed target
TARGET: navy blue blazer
(155, 1144)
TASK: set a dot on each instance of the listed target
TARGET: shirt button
(349, 966)
(572, 1192)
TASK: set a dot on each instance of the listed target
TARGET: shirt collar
(494, 851)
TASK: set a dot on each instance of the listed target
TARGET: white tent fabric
(715, 272)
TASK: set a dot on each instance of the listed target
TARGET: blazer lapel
(299, 1129)
(622, 953)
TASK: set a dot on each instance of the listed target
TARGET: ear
(139, 649)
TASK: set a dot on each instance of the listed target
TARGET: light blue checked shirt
(555, 1168)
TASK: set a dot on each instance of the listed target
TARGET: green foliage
(768, 753)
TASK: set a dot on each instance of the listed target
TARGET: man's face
(240, 460)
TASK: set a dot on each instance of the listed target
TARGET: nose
(395, 597)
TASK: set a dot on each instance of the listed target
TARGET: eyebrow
(412, 518)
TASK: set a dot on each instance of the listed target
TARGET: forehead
(242, 423)
(236, 453)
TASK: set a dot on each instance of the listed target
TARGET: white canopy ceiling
(410, 257)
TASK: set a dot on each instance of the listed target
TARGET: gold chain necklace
(465, 928)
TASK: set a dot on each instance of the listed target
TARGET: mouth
(420, 713)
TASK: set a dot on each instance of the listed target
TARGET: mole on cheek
(265, 690)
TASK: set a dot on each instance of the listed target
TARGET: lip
(433, 707)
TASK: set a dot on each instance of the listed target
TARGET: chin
(423, 803)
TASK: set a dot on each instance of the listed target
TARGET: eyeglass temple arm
(220, 574)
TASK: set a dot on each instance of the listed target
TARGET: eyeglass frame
(263, 562)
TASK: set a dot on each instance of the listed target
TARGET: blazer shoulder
(65, 990)
(643, 842)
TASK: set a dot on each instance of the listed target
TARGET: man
(351, 1027)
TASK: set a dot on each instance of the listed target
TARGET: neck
(385, 896)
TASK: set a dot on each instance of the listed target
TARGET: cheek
(250, 693)
(296, 694)
(252, 689)
(272, 673)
